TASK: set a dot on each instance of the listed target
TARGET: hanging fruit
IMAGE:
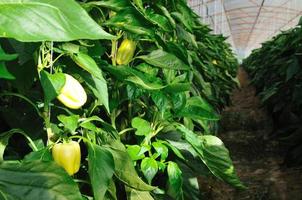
(125, 52)
(72, 95)
(68, 156)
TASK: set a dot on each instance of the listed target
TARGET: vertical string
(51, 70)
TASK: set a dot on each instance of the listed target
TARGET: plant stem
(113, 51)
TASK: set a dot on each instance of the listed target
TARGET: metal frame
(248, 28)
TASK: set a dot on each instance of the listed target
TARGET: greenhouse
(150, 99)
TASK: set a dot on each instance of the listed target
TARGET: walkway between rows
(246, 130)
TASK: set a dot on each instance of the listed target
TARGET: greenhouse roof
(248, 23)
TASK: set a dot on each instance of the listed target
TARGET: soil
(257, 158)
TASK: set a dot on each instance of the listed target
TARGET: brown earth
(257, 159)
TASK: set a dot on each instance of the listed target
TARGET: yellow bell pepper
(72, 95)
(68, 156)
(125, 52)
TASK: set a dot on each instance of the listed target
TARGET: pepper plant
(139, 85)
(275, 69)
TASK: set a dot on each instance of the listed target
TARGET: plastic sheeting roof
(248, 23)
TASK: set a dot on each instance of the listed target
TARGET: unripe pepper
(125, 52)
(68, 156)
(72, 95)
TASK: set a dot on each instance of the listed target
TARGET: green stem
(113, 51)
(126, 130)
(17, 130)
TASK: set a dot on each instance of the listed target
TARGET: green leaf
(42, 155)
(124, 169)
(131, 20)
(186, 36)
(215, 156)
(96, 81)
(148, 69)
(111, 192)
(158, 20)
(174, 181)
(139, 4)
(135, 152)
(175, 150)
(39, 20)
(133, 194)
(178, 87)
(144, 83)
(162, 59)
(99, 88)
(36, 180)
(69, 122)
(142, 79)
(149, 168)
(182, 19)
(198, 109)
(87, 63)
(167, 14)
(191, 189)
(52, 84)
(115, 5)
(292, 69)
(101, 169)
(161, 149)
(89, 126)
(142, 126)
(196, 112)
(7, 57)
(25, 51)
(4, 73)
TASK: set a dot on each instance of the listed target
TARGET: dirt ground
(257, 159)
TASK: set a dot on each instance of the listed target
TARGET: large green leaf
(162, 59)
(135, 152)
(142, 126)
(41, 20)
(124, 169)
(111, 192)
(161, 149)
(101, 169)
(198, 109)
(174, 181)
(52, 84)
(99, 88)
(36, 180)
(143, 80)
(131, 20)
(215, 156)
(133, 194)
(158, 20)
(96, 81)
(69, 122)
(42, 155)
(149, 168)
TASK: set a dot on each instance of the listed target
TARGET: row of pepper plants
(111, 99)
(276, 72)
